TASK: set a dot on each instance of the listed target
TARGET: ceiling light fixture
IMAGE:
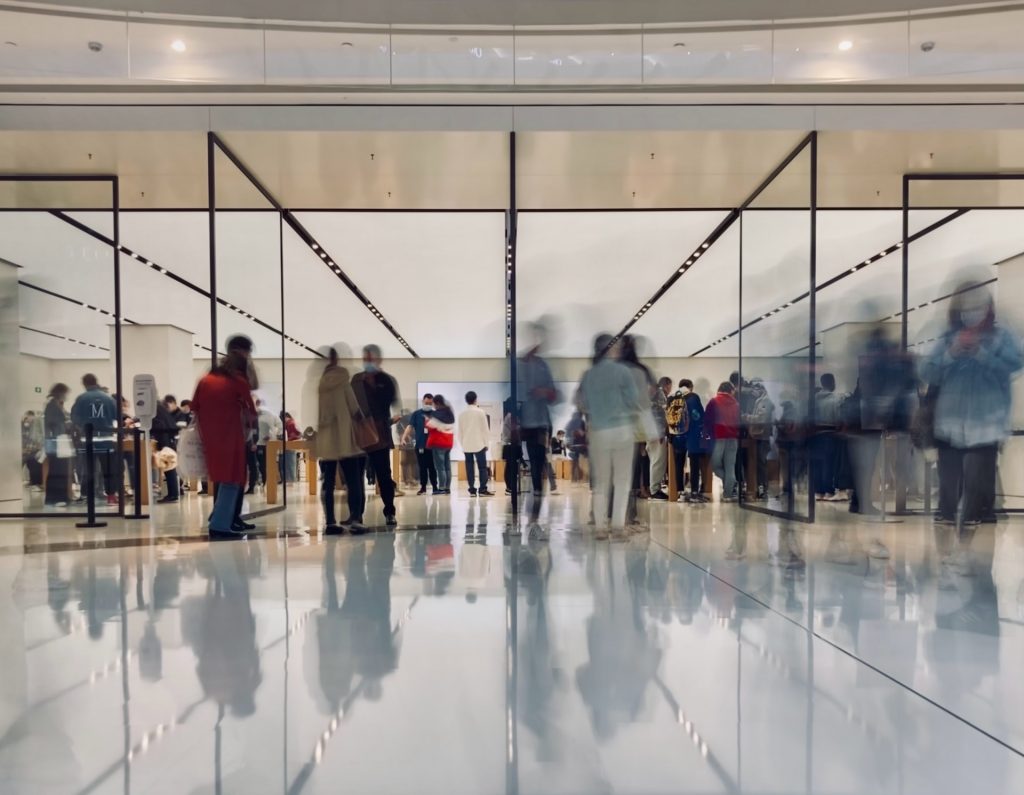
(178, 45)
(845, 45)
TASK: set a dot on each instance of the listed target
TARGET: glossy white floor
(140, 658)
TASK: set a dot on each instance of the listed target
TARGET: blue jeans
(443, 465)
(224, 506)
(474, 461)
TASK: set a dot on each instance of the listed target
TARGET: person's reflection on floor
(58, 592)
(366, 609)
(538, 665)
(963, 654)
(222, 630)
(622, 656)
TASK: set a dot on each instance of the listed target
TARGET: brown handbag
(365, 431)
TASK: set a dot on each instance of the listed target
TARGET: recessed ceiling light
(679, 44)
(845, 45)
(347, 44)
(178, 45)
(10, 43)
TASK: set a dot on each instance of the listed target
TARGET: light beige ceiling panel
(62, 48)
(697, 56)
(865, 168)
(591, 170)
(852, 52)
(557, 59)
(195, 54)
(470, 58)
(156, 169)
(327, 57)
(378, 170)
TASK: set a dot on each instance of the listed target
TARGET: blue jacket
(97, 407)
(973, 405)
(695, 439)
(418, 421)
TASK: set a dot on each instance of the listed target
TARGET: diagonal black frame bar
(722, 227)
(811, 142)
(306, 237)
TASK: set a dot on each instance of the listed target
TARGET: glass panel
(955, 272)
(249, 303)
(58, 342)
(772, 458)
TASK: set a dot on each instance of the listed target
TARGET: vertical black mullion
(211, 194)
(284, 384)
(511, 231)
(115, 187)
(739, 337)
(905, 267)
(812, 359)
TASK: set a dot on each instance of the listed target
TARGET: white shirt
(473, 433)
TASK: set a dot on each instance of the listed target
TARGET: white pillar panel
(10, 404)
(160, 350)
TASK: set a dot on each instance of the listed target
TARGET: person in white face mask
(968, 374)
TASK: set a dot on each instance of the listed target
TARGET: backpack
(677, 415)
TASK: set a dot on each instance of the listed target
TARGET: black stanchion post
(90, 482)
(137, 445)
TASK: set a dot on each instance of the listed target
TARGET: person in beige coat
(336, 446)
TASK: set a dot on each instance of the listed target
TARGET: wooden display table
(142, 494)
(274, 448)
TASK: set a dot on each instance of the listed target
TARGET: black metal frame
(811, 142)
(908, 179)
(215, 144)
(115, 208)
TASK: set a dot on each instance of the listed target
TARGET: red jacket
(725, 416)
(224, 409)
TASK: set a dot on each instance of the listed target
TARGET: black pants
(171, 476)
(261, 464)
(475, 461)
(510, 465)
(379, 462)
(354, 472)
(696, 462)
(763, 447)
(35, 469)
(58, 480)
(103, 465)
(969, 472)
(253, 464)
(537, 452)
(425, 460)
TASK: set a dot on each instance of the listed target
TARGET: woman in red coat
(224, 409)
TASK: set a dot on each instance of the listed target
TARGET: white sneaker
(734, 554)
(878, 550)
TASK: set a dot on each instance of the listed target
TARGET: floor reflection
(724, 652)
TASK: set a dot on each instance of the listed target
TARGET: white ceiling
(438, 277)
(591, 271)
(515, 12)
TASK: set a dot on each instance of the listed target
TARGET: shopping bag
(365, 432)
(191, 458)
(59, 447)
